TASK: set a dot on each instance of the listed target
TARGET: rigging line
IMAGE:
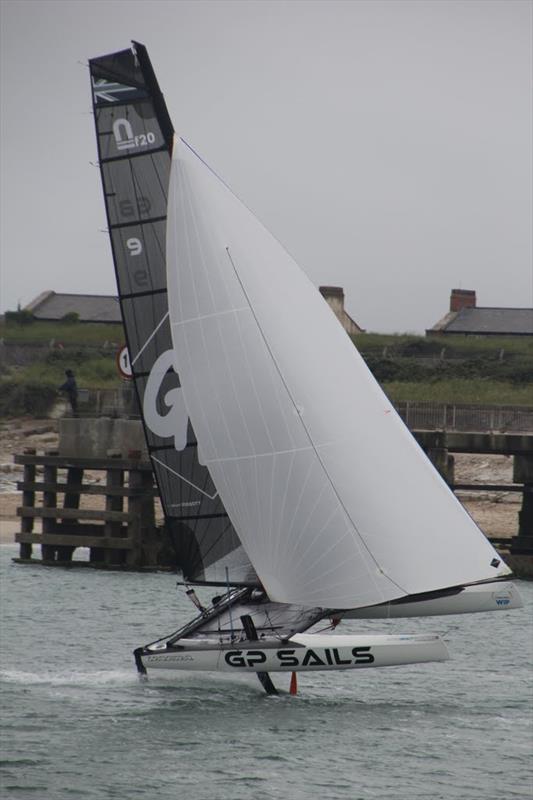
(147, 342)
(162, 186)
(307, 432)
(177, 474)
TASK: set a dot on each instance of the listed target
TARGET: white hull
(496, 596)
(303, 652)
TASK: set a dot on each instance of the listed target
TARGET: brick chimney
(335, 297)
(462, 298)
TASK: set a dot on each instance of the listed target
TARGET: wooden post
(71, 500)
(134, 557)
(114, 479)
(142, 525)
(49, 501)
(28, 500)
(523, 473)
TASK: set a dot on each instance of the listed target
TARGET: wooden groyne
(120, 532)
(440, 447)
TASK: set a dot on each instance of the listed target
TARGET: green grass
(91, 373)
(477, 390)
(458, 346)
(70, 335)
(34, 389)
(472, 370)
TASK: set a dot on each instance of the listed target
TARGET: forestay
(134, 135)
(333, 500)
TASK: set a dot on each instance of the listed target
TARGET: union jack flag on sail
(112, 92)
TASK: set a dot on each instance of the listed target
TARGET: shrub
(20, 317)
(33, 398)
(71, 318)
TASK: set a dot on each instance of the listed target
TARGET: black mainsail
(135, 134)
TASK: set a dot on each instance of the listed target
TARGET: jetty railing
(466, 417)
(417, 415)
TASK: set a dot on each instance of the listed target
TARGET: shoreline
(8, 529)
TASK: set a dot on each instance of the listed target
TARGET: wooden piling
(116, 538)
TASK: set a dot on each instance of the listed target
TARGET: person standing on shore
(71, 389)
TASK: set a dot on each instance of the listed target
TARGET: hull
(496, 596)
(303, 652)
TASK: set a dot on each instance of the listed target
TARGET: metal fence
(466, 417)
(120, 402)
(416, 415)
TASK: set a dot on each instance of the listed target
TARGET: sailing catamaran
(287, 479)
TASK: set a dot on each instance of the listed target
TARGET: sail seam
(157, 447)
(131, 156)
(146, 221)
(259, 455)
(134, 295)
(313, 447)
(237, 499)
(210, 316)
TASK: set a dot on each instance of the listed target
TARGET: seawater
(77, 723)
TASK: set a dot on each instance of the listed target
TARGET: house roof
(487, 321)
(89, 307)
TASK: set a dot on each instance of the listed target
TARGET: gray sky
(387, 144)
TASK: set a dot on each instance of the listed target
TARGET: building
(334, 296)
(53, 307)
(466, 318)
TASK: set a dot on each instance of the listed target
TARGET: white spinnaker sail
(333, 500)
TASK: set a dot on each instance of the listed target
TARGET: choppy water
(78, 724)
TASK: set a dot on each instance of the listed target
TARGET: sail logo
(125, 138)
(123, 133)
(502, 600)
(293, 658)
(110, 91)
(175, 421)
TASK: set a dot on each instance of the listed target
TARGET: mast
(134, 136)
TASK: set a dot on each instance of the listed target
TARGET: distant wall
(86, 437)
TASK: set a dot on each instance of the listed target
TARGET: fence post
(49, 501)
(71, 500)
(114, 479)
(28, 500)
